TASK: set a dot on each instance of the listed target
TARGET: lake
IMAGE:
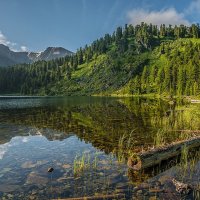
(84, 139)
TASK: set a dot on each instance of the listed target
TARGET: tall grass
(83, 163)
(184, 159)
(160, 138)
(125, 148)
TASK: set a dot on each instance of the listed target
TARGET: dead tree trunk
(155, 156)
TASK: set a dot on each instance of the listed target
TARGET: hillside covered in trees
(136, 60)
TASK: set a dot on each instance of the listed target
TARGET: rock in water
(51, 169)
(182, 188)
(36, 179)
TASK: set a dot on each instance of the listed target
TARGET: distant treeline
(138, 59)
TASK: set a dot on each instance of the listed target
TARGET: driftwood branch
(98, 197)
(156, 156)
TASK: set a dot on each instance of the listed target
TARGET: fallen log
(97, 197)
(156, 156)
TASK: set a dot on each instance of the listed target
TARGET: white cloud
(165, 16)
(3, 39)
(12, 45)
(24, 48)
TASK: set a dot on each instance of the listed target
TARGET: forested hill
(133, 60)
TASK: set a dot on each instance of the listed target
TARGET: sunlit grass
(84, 162)
(159, 139)
(125, 148)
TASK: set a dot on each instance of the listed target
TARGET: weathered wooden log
(156, 156)
(98, 197)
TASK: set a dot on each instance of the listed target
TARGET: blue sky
(36, 24)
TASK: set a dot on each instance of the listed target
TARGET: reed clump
(84, 162)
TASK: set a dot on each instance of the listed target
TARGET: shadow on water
(65, 128)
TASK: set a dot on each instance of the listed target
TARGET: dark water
(38, 133)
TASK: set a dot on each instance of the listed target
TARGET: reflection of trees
(101, 123)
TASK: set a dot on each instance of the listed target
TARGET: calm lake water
(63, 132)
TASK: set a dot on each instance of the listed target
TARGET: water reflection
(24, 170)
(42, 132)
(100, 121)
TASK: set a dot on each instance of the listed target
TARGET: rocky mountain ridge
(9, 57)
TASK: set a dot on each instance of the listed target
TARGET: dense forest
(134, 60)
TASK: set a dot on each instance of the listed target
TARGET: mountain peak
(4, 48)
(9, 57)
(50, 53)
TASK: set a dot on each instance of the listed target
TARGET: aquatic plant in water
(84, 162)
(125, 148)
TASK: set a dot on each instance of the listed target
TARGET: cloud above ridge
(5, 41)
(23, 48)
(12, 45)
(164, 16)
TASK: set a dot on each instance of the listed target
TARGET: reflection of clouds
(2, 154)
(25, 139)
(14, 142)
(17, 141)
(3, 149)
(21, 146)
